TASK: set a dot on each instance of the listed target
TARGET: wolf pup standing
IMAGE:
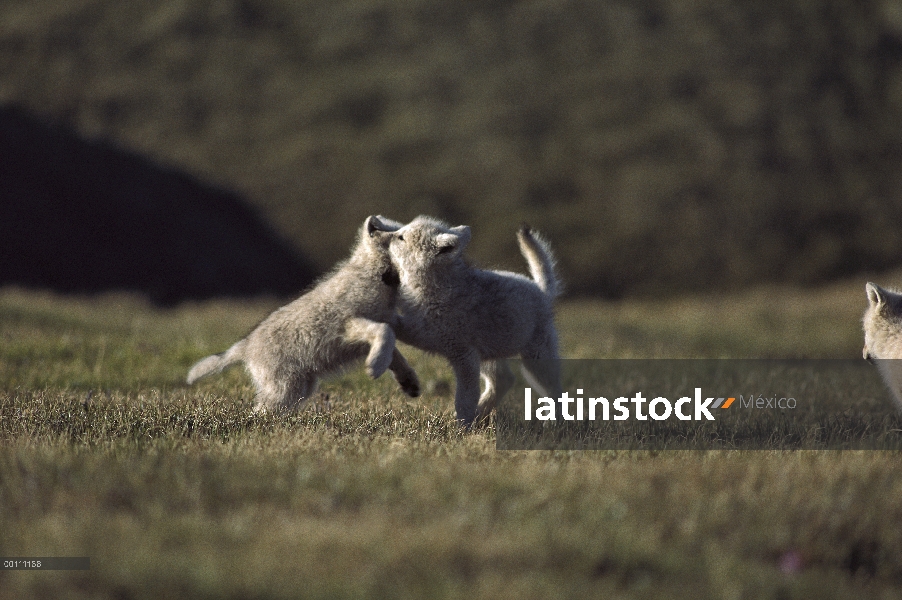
(475, 317)
(883, 336)
(346, 316)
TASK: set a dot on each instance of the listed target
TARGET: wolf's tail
(541, 261)
(217, 362)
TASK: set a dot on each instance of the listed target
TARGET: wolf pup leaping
(476, 317)
(346, 316)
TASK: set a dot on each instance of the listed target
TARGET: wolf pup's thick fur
(346, 316)
(476, 317)
(883, 336)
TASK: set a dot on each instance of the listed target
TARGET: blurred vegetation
(661, 144)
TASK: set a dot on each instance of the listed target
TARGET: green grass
(184, 492)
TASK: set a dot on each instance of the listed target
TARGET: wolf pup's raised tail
(217, 362)
(541, 261)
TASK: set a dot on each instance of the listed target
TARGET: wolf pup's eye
(401, 237)
(445, 249)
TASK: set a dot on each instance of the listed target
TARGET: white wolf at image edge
(883, 336)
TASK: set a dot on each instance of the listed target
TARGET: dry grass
(183, 492)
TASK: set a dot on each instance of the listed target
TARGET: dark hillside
(86, 216)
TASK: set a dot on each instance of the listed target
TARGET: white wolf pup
(346, 316)
(883, 336)
(475, 317)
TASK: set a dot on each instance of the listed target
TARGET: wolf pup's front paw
(410, 385)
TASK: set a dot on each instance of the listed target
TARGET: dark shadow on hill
(84, 216)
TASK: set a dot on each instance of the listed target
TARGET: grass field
(180, 492)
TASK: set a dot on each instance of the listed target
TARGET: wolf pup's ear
(876, 294)
(372, 225)
(446, 242)
(376, 226)
(452, 242)
(460, 235)
(389, 225)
